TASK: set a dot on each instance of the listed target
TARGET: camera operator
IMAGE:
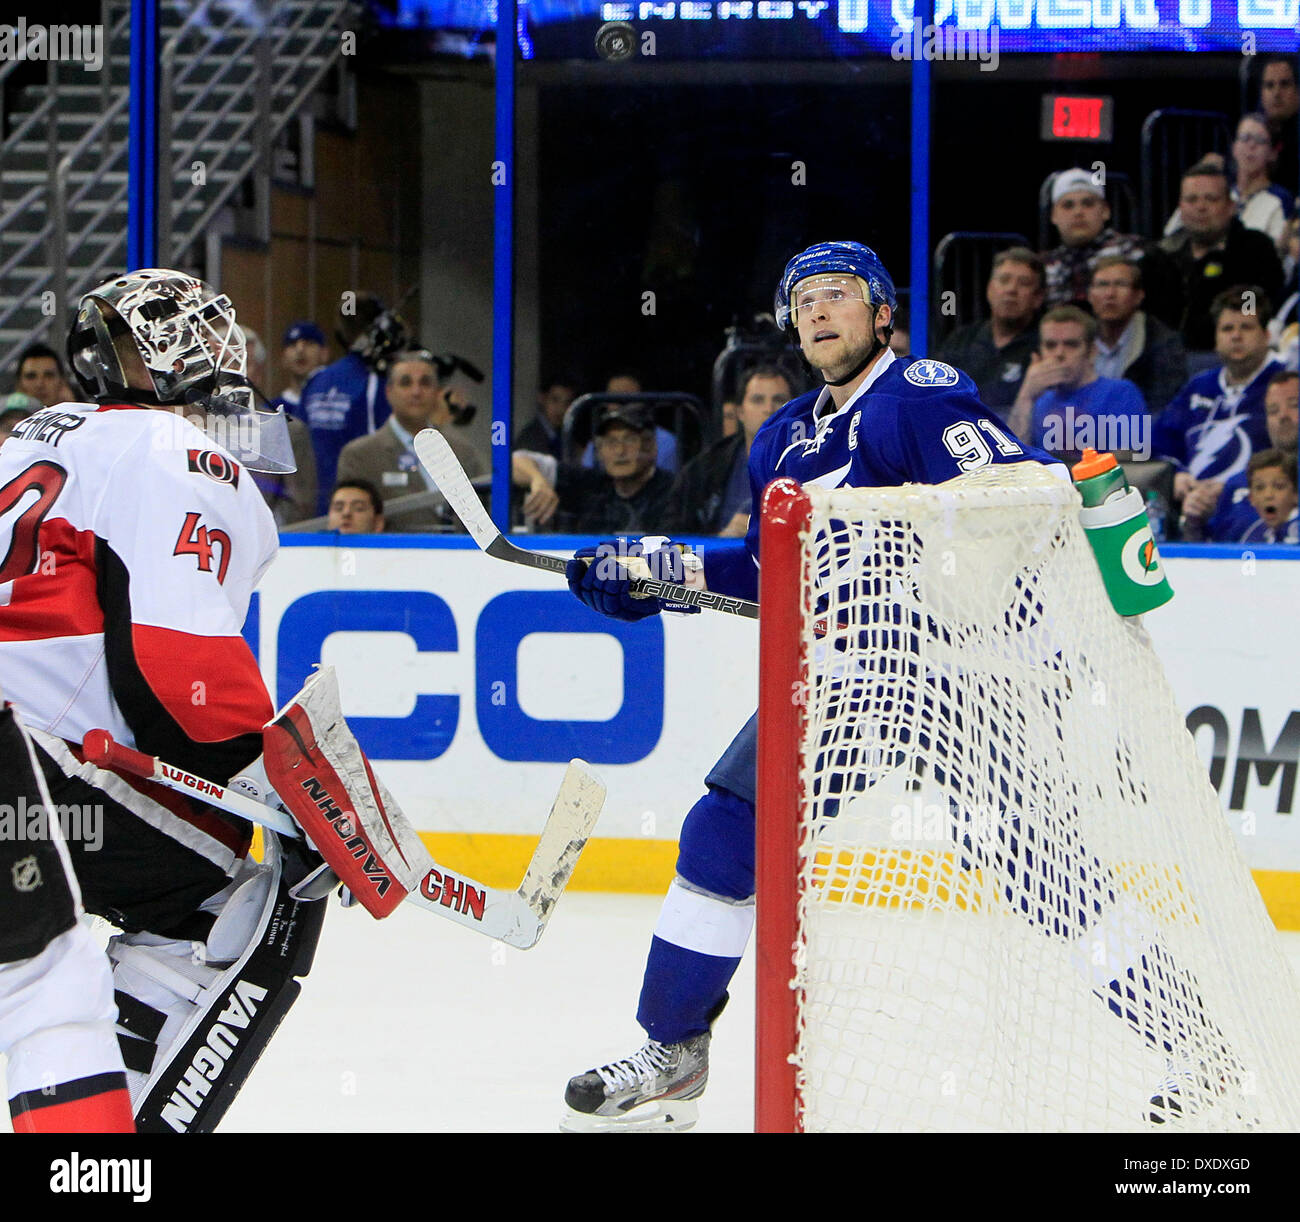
(346, 400)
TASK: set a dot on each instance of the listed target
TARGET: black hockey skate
(653, 1090)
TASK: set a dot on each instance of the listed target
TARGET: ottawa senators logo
(215, 466)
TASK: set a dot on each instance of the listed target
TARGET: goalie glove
(601, 576)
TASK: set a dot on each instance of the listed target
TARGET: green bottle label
(1130, 565)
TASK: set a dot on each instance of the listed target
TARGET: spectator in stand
(39, 374)
(1262, 204)
(387, 460)
(629, 384)
(1217, 421)
(303, 351)
(1131, 343)
(1279, 99)
(1272, 476)
(346, 399)
(1234, 515)
(290, 497)
(996, 353)
(355, 508)
(14, 409)
(1082, 219)
(712, 495)
(543, 432)
(628, 497)
(1214, 249)
(1063, 406)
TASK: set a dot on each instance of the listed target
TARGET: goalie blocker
(322, 776)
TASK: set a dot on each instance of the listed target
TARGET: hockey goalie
(133, 535)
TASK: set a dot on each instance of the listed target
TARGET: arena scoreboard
(817, 29)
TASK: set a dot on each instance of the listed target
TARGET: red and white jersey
(129, 547)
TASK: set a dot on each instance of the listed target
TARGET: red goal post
(782, 673)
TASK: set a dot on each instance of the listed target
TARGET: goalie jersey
(912, 421)
(131, 546)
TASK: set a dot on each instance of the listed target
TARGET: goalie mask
(161, 338)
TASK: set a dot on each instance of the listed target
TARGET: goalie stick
(517, 918)
(444, 468)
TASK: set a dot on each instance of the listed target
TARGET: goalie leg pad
(323, 777)
(194, 1017)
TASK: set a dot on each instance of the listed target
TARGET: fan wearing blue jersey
(1217, 421)
(878, 420)
(1234, 516)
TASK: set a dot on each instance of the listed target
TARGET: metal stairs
(233, 74)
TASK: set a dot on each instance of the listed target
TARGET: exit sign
(1067, 117)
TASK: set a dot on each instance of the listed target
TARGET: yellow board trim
(643, 866)
(606, 864)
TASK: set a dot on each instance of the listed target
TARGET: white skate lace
(642, 1066)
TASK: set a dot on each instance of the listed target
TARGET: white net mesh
(1020, 904)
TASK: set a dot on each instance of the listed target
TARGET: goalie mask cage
(996, 889)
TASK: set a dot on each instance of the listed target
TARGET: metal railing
(963, 261)
(232, 82)
(264, 44)
(1173, 140)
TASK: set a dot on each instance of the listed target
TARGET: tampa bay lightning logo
(931, 373)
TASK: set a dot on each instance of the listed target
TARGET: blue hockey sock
(683, 991)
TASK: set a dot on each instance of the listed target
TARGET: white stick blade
(444, 469)
(568, 827)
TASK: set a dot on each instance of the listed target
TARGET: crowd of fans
(1180, 348)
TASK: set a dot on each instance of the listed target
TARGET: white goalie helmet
(162, 338)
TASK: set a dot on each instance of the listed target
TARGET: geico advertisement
(473, 682)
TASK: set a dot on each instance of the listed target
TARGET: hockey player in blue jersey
(878, 421)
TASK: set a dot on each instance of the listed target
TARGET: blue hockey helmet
(851, 258)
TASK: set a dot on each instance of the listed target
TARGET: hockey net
(996, 889)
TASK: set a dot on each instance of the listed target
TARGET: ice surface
(414, 1024)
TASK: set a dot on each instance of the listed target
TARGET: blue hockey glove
(599, 578)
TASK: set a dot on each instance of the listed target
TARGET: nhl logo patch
(931, 373)
(26, 874)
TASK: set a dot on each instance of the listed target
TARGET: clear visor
(249, 430)
(818, 290)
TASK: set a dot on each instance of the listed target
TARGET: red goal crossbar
(781, 704)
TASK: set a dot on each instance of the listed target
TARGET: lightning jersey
(131, 545)
(911, 421)
(1211, 429)
(340, 403)
(1234, 515)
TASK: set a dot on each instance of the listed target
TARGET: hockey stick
(436, 457)
(517, 918)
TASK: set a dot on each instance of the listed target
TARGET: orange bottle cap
(1093, 463)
